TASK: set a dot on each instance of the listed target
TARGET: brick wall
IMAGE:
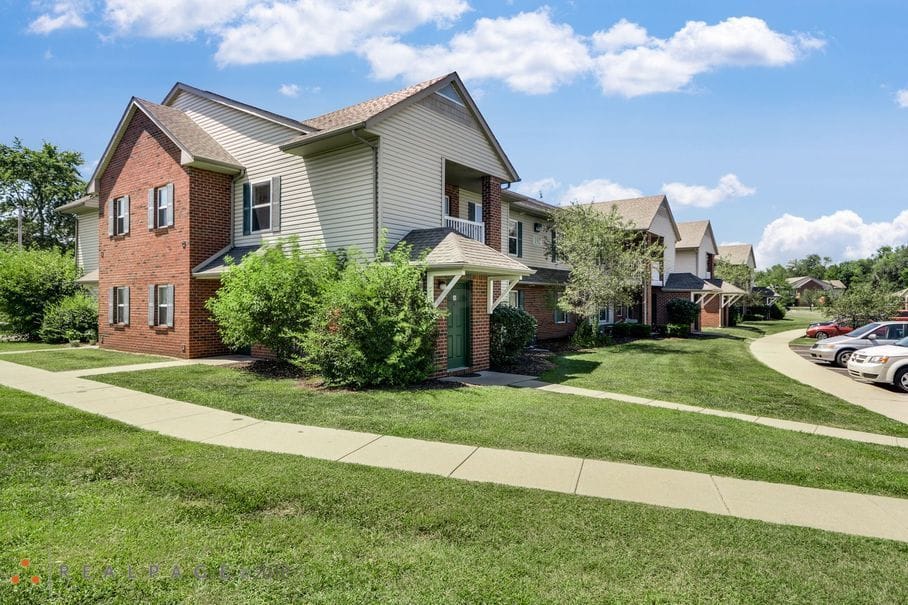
(479, 324)
(441, 342)
(539, 301)
(711, 314)
(491, 211)
(661, 299)
(453, 193)
(146, 158)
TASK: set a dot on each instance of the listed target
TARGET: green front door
(459, 326)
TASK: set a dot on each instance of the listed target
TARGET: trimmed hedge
(74, 318)
(677, 330)
(681, 311)
(631, 330)
(510, 331)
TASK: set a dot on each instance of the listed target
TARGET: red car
(825, 329)
(901, 315)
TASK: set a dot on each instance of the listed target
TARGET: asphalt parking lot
(804, 351)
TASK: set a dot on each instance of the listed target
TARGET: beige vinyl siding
(87, 244)
(414, 144)
(467, 196)
(505, 230)
(326, 200)
(686, 261)
(662, 226)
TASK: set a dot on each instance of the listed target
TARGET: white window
(516, 299)
(605, 315)
(120, 211)
(561, 317)
(447, 206)
(120, 305)
(160, 305)
(261, 207)
(474, 212)
(162, 205)
(515, 238)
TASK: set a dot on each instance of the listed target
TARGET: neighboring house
(903, 297)
(651, 216)
(767, 295)
(738, 254)
(528, 237)
(85, 211)
(801, 285)
(200, 178)
(696, 251)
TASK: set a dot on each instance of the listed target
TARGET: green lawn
(84, 491)
(545, 422)
(717, 371)
(18, 345)
(79, 359)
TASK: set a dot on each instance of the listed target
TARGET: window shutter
(110, 305)
(171, 307)
(126, 308)
(151, 306)
(275, 204)
(171, 203)
(519, 238)
(126, 216)
(247, 209)
(471, 211)
(151, 209)
(110, 217)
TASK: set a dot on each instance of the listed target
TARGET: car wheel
(842, 357)
(901, 380)
(822, 335)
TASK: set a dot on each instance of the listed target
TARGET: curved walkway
(845, 512)
(774, 352)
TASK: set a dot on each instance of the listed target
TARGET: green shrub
(641, 330)
(74, 318)
(681, 311)
(621, 330)
(269, 298)
(30, 281)
(585, 335)
(677, 330)
(776, 311)
(753, 317)
(374, 326)
(510, 331)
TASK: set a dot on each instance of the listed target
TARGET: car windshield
(902, 343)
(864, 330)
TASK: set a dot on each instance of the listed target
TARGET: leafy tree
(739, 275)
(31, 281)
(863, 303)
(890, 267)
(811, 298)
(609, 260)
(72, 318)
(37, 181)
(374, 326)
(813, 265)
(269, 298)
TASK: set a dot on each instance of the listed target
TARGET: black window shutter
(519, 238)
(247, 208)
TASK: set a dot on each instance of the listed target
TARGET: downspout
(374, 147)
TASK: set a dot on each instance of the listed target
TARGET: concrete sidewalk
(530, 382)
(774, 352)
(850, 513)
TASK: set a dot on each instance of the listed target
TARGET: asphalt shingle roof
(547, 277)
(448, 248)
(640, 212)
(692, 234)
(187, 134)
(218, 265)
(687, 282)
(736, 254)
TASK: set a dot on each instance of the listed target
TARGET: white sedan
(886, 364)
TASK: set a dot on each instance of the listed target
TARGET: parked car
(838, 349)
(886, 364)
(824, 329)
(901, 315)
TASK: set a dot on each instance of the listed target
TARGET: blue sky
(780, 121)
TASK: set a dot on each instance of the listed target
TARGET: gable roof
(640, 212)
(197, 147)
(239, 105)
(687, 282)
(83, 204)
(737, 254)
(528, 204)
(368, 113)
(692, 234)
(449, 249)
(832, 284)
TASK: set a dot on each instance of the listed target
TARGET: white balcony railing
(471, 229)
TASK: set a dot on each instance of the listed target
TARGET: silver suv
(838, 350)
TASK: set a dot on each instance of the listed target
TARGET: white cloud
(901, 98)
(289, 90)
(169, 19)
(65, 14)
(539, 188)
(668, 65)
(528, 52)
(284, 31)
(842, 235)
(698, 196)
(621, 35)
(598, 190)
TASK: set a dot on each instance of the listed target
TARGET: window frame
(160, 222)
(253, 206)
(474, 210)
(158, 305)
(446, 205)
(565, 316)
(120, 305)
(515, 228)
(519, 297)
(119, 215)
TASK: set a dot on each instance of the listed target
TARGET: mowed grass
(538, 421)
(717, 371)
(79, 359)
(8, 346)
(81, 490)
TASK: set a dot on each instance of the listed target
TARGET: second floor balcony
(472, 229)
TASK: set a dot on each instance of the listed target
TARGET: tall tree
(610, 261)
(37, 181)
